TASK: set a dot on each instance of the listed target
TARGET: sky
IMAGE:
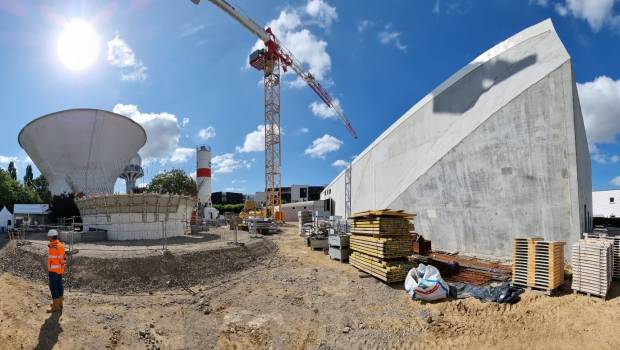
(181, 71)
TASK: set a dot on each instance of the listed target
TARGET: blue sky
(181, 71)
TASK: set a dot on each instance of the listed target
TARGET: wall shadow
(461, 96)
(49, 332)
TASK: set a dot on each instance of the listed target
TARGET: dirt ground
(295, 298)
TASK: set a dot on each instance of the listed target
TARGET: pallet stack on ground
(615, 239)
(538, 264)
(381, 242)
(593, 266)
(339, 245)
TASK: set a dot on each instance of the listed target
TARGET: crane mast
(271, 60)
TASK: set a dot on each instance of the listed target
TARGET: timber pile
(593, 266)
(381, 242)
(538, 264)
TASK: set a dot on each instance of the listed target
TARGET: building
(294, 194)
(227, 198)
(606, 204)
(290, 210)
(6, 220)
(30, 214)
(497, 151)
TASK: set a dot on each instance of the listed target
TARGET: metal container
(338, 240)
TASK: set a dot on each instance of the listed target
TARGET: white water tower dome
(82, 150)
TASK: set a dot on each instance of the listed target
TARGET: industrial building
(294, 194)
(606, 204)
(30, 214)
(227, 198)
(495, 152)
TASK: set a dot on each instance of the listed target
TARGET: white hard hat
(52, 233)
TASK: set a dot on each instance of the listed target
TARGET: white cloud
(254, 141)
(615, 181)
(234, 189)
(322, 145)
(308, 49)
(193, 175)
(600, 105)
(185, 122)
(227, 163)
(322, 12)
(207, 133)
(191, 30)
(543, 3)
(181, 154)
(436, 8)
(163, 134)
(323, 111)
(340, 163)
(388, 36)
(303, 130)
(598, 13)
(364, 24)
(5, 160)
(120, 55)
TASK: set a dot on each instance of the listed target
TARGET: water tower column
(203, 175)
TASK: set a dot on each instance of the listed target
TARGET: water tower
(82, 150)
(132, 172)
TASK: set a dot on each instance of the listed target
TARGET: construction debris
(538, 264)
(381, 242)
(593, 265)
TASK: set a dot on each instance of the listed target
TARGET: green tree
(29, 177)
(12, 192)
(175, 181)
(41, 187)
(229, 208)
(12, 171)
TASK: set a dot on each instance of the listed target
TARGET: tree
(174, 181)
(41, 187)
(12, 192)
(29, 176)
(63, 206)
(12, 171)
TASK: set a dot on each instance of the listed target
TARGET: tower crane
(270, 60)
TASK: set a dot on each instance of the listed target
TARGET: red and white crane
(269, 60)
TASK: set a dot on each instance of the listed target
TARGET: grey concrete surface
(497, 151)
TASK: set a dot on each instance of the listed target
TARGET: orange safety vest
(56, 257)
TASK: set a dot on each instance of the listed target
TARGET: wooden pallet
(382, 247)
(593, 266)
(538, 264)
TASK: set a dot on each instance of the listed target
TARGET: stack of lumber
(381, 242)
(538, 264)
(593, 266)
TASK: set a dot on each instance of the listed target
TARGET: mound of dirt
(140, 274)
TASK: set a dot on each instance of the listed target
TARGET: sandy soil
(299, 299)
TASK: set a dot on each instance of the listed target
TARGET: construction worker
(56, 267)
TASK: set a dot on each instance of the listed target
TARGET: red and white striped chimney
(203, 174)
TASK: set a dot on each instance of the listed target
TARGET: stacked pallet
(593, 266)
(616, 249)
(381, 242)
(538, 264)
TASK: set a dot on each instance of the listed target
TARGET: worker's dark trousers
(56, 286)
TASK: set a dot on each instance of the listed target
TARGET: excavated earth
(281, 295)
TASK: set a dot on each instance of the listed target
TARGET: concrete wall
(137, 216)
(495, 152)
(602, 205)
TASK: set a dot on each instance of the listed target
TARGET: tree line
(31, 190)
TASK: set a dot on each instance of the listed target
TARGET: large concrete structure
(82, 150)
(497, 151)
(137, 216)
(133, 171)
(606, 204)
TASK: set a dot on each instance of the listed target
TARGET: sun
(78, 45)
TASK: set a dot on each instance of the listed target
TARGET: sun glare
(78, 45)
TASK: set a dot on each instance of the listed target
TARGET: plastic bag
(425, 283)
